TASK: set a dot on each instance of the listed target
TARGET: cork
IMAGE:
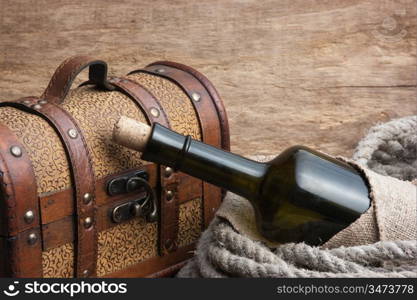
(131, 133)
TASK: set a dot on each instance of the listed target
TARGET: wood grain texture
(317, 73)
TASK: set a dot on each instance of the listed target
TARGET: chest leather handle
(64, 76)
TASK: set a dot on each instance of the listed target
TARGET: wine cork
(131, 133)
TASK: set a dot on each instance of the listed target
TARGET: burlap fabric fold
(381, 243)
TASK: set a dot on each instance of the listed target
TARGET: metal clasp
(145, 206)
(126, 183)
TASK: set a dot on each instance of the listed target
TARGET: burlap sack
(389, 149)
(392, 215)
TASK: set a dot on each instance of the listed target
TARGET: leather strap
(169, 200)
(18, 183)
(82, 176)
(214, 95)
(143, 99)
(209, 122)
(20, 206)
(65, 74)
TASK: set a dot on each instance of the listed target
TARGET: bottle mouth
(131, 133)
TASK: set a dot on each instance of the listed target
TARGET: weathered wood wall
(290, 71)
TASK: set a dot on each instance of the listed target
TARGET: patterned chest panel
(43, 146)
(175, 102)
(125, 244)
(190, 222)
(96, 113)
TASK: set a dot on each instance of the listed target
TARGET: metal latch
(126, 183)
(144, 206)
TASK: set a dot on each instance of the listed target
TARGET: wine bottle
(302, 195)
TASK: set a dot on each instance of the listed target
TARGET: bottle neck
(237, 174)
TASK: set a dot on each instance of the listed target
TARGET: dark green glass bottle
(301, 195)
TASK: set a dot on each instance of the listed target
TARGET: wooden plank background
(317, 73)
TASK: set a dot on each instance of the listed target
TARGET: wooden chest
(74, 204)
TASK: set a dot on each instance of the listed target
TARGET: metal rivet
(196, 96)
(32, 238)
(160, 70)
(168, 171)
(27, 102)
(87, 198)
(72, 133)
(169, 194)
(169, 245)
(88, 222)
(86, 273)
(36, 106)
(16, 151)
(29, 216)
(42, 101)
(154, 112)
